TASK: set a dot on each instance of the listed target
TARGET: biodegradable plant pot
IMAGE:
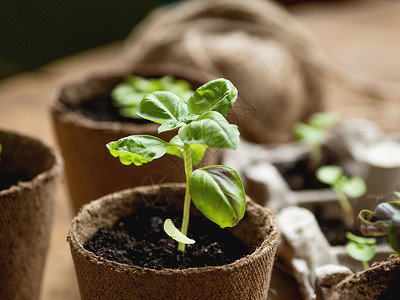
(29, 171)
(246, 278)
(381, 281)
(90, 170)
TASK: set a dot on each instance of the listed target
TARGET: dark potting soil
(300, 174)
(9, 179)
(141, 241)
(100, 109)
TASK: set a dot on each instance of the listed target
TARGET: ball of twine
(255, 44)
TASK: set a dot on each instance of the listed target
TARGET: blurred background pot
(246, 278)
(29, 172)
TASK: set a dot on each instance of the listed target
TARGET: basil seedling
(314, 132)
(343, 186)
(217, 191)
(360, 248)
(127, 95)
(384, 220)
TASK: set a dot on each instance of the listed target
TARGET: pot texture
(381, 281)
(90, 169)
(26, 213)
(98, 278)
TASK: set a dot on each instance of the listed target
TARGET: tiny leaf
(216, 95)
(360, 252)
(354, 187)
(169, 125)
(307, 133)
(323, 120)
(175, 234)
(211, 129)
(371, 228)
(360, 239)
(137, 149)
(218, 192)
(329, 174)
(161, 107)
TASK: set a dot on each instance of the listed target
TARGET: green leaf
(360, 252)
(360, 239)
(308, 134)
(394, 233)
(354, 187)
(371, 228)
(323, 120)
(216, 95)
(211, 129)
(329, 174)
(218, 192)
(169, 125)
(197, 150)
(162, 107)
(137, 149)
(175, 234)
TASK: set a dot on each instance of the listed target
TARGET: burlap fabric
(254, 43)
(381, 281)
(90, 169)
(26, 212)
(246, 278)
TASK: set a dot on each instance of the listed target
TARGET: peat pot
(99, 278)
(29, 173)
(82, 135)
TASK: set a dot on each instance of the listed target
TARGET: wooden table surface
(362, 36)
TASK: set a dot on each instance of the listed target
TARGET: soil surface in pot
(141, 241)
(9, 179)
(100, 109)
(300, 174)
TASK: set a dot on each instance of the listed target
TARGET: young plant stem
(365, 265)
(315, 155)
(347, 209)
(187, 159)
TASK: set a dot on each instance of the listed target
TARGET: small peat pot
(29, 173)
(247, 277)
(85, 120)
(381, 281)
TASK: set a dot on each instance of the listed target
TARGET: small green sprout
(314, 132)
(343, 186)
(217, 191)
(360, 248)
(384, 220)
(127, 95)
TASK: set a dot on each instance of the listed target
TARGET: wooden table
(362, 36)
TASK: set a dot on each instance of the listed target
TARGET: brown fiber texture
(370, 284)
(246, 278)
(26, 212)
(90, 169)
(254, 43)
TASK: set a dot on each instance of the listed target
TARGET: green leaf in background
(360, 248)
(354, 187)
(329, 174)
(218, 192)
(175, 234)
(197, 150)
(211, 129)
(307, 133)
(127, 95)
(216, 95)
(323, 120)
(137, 149)
(161, 107)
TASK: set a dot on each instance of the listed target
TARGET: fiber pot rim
(266, 246)
(39, 179)
(117, 74)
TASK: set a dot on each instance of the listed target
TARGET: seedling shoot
(217, 191)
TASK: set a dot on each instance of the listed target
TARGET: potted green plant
(218, 194)
(85, 118)
(29, 173)
(381, 280)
